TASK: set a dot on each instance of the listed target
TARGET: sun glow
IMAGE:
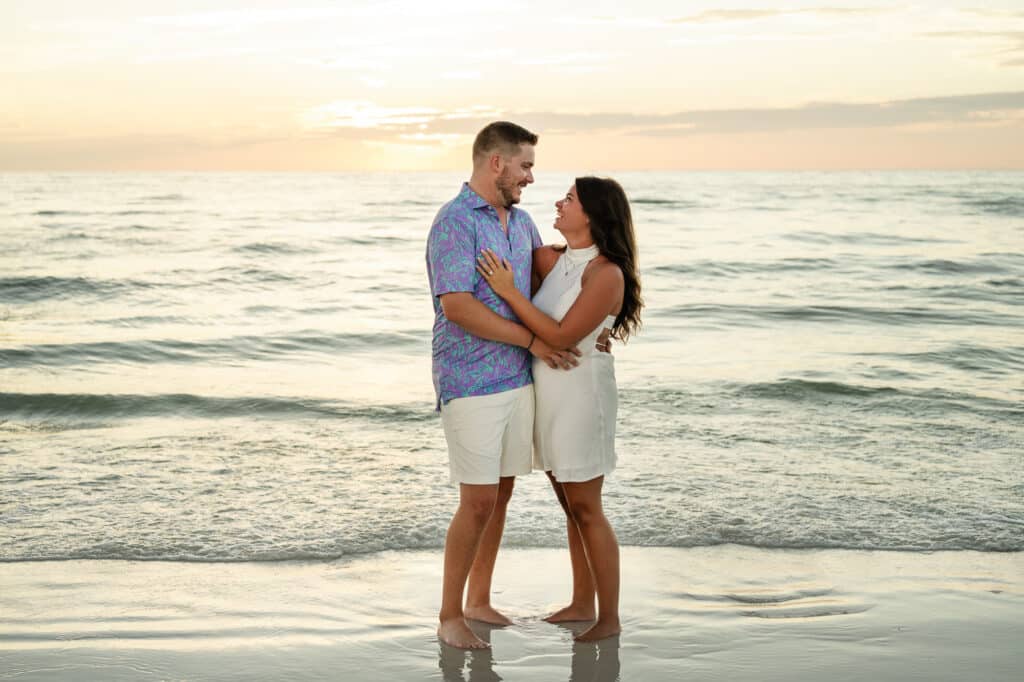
(261, 85)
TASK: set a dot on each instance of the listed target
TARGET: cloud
(570, 58)
(722, 15)
(997, 13)
(367, 115)
(366, 121)
(466, 75)
(1013, 42)
(823, 115)
(251, 16)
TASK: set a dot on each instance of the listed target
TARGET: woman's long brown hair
(611, 227)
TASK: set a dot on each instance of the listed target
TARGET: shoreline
(721, 612)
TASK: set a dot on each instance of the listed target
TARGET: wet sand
(716, 613)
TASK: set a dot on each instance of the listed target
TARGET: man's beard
(506, 188)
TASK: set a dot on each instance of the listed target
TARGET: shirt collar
(475, 201)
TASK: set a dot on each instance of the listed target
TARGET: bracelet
(533, 337)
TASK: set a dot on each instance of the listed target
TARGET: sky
(349, 86)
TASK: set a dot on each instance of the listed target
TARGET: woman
(588, 289)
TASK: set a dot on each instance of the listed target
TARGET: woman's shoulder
(602, 263)
(603, 268)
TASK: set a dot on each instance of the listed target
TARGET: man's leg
(478, 593)
(476, 506)
(516, 456)
(482, 433)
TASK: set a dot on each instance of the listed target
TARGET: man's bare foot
(572, 613)
(600, 630)
(456, 633)
(486, 614)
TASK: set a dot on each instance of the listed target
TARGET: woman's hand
(498, 273)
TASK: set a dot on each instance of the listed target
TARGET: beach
(222, 363)
(711, 613)
(220, 459)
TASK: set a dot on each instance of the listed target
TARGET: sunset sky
(273, 85)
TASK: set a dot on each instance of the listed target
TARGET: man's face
(517, 174)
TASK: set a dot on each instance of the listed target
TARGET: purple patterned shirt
(464, 364)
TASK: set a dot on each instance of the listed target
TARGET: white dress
(574, 426)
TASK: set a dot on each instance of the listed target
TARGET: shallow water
(712, 613)
(232, 367)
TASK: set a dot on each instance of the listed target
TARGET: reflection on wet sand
(591, 661)
(595, 661)
(479, 662)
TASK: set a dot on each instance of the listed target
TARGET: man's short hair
(503, 137)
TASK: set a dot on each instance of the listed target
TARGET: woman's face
(569, 215)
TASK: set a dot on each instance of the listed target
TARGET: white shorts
(489, 436)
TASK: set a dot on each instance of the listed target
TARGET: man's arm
(462, 308)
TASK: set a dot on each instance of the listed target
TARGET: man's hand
(604, 341)
(555, 359)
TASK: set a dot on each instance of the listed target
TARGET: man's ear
(497, 163)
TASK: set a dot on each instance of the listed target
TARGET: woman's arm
(465, 310)
(601, 295)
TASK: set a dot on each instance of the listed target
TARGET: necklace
(573, 259)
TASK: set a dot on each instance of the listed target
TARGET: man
(481, 367)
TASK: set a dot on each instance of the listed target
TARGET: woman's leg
(582, 605)
(602, 550)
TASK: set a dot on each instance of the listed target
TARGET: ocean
(236, 367)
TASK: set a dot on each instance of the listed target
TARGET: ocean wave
(120, 406)
(991, 291)
(229, 349)
(368, 240)
(52, 213)
(728, 315)
(945, 266)
(966, 357)
(402, 202)
(163, 197)
(333, 550)
(272, 248)
(863, 238)
(803, 389)
(33, 289)
(724, 268)
(72, 236)
(134, 321)
(882, 399)
(1012, 206)
(1009, 282)
(151, 211)
(664, 203)
(243, 276)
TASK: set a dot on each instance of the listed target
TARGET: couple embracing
(522, 373)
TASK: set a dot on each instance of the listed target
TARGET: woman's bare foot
(600, 630)
(456, 633)
(486, 614)
(572, 613)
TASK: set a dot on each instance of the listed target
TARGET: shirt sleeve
(451, 252)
